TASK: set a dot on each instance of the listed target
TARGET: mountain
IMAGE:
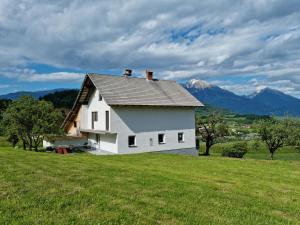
(35, 94)
(62, 99)
(265, 102)
(277, 102)
(218, 97)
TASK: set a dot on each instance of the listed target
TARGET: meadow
(47, 188)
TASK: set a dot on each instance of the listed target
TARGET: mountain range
(265, 102)
(35, 94)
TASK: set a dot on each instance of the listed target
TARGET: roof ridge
(129, 77)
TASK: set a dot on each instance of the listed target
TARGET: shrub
(238, 150)
(256, 146)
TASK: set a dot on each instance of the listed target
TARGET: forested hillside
(3, 106)
(62, 99)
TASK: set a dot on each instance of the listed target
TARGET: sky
(242, 46)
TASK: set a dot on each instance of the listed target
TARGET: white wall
(84, 118)
(108, 142)
(94, 105)
(148, 122)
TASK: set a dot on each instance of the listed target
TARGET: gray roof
(121, 90)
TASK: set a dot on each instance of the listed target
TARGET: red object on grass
(61, 150)
(65, 151)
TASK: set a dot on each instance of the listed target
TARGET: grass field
(284, 153)
(45, 188)
(4, 142)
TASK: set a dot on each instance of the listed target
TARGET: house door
(97, 141)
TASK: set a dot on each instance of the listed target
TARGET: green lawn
(4, 142)
(284, 153)
(45, 188)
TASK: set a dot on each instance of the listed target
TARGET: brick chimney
(127, 72)
(149, 75)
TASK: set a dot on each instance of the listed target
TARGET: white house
(123, 114)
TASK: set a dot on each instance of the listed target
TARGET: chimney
(127, 72)
(149, 75)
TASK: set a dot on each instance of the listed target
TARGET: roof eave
(73, 110)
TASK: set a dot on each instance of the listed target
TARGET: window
(131, 141)
(94, 119)
(100, 97)
(180, 137)
(75, 124)
(107, 120)
(95, 116)
(161, 138)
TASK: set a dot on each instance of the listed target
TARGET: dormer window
(100, 97)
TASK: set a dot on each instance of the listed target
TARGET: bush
(238, 150)
(256, 146)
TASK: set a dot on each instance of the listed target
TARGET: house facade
(123, 114)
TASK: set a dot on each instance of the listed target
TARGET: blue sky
(242, 46)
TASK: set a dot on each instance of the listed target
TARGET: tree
(4, 103)
(212, 128)
(293, 138)
(32, 120)
(62, 99)
(274, 133)
(13, 139)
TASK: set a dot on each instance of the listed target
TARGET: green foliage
(13, 139)
(62, 99)
(211, 129)
(31, 121)
(238, 150)
(274, 133)
(293, 138)
(256, 145)
(4, 103)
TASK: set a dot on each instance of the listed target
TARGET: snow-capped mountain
(201, 84)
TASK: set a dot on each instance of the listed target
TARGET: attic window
(100, 97)
(75, 124)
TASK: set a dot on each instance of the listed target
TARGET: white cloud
(30, 75)
(3, 86)
(56, 77)
(178, 39)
